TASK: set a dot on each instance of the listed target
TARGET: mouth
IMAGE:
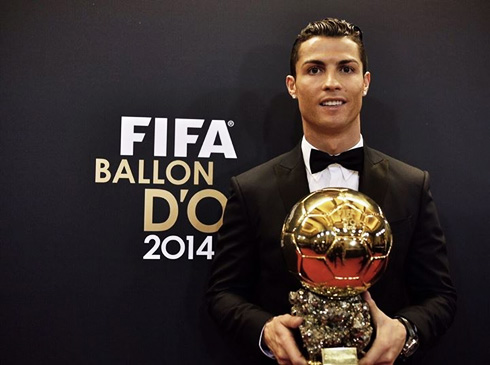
(336, 102)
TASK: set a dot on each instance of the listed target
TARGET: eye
(314, 70)
(347, 69)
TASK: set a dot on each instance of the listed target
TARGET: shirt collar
(306, 148)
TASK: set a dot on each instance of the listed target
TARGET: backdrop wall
(107, 224)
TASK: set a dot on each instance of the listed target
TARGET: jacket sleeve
(234, 274)
(431, 292)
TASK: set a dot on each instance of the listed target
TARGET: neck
(333, 144)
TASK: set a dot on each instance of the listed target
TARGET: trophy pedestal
(337, 356)
(333, 331)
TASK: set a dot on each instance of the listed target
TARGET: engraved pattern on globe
(337, 242)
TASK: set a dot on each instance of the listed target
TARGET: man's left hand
(390, 337)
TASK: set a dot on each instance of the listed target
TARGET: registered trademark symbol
(231, 123)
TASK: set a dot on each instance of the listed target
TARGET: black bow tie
(352, 160)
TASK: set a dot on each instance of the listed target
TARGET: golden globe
(337, 242)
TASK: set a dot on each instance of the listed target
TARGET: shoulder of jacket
(396, 166)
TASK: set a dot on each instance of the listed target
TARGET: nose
(331, 81)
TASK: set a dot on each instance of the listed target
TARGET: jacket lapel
(374, 177)
(291, 178)
(293, 184)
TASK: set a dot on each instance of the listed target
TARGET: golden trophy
(337, 242)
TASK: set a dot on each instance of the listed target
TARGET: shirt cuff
(263, 347)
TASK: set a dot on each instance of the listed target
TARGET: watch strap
(412, 341)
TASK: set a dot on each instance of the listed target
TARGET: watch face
(412, 342)
(410, 347)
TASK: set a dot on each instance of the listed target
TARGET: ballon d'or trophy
(337, 242)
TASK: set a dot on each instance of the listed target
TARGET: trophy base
(337, 356)
(329, 324)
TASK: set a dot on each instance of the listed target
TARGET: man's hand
(280, 340)
(390, 337)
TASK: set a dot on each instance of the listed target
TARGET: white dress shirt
(334, 176)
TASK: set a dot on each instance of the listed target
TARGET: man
(249, 285)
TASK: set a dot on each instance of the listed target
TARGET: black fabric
(250, 283)
(352, 160)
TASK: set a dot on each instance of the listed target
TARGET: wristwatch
(412, 341)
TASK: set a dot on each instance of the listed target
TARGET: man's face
(329, 86)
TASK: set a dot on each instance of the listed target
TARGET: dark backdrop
(74, 285)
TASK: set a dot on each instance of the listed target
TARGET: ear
(367, 81)
(291, 85)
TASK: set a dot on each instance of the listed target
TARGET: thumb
(291, 321)
(367, 296)
(373, 308)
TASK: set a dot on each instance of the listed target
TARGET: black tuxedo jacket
(249, 280)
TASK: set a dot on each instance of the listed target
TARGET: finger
(377, 349)
(373, 308)
(289, 346)
(366, 295)
(281, 341)
(368, 299)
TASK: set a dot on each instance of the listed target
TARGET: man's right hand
(280, 340)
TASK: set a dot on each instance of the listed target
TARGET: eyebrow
(342, 62)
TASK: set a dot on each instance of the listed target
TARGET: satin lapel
(374, 178)
(291, 178)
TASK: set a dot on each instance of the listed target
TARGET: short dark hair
(328, 27)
